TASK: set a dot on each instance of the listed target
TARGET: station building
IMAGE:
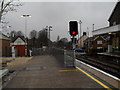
(4, 45)
(80, 42)
(112, 32)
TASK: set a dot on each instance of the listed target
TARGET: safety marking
(94, 79)
(99, 70)
(67, 70)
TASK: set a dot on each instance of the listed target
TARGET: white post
(74, 59)
(30, 52)
(80, 22)
(65, 61)
(13, 52)
(109, 48)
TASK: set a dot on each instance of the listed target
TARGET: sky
(58, 15)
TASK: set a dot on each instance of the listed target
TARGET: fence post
(74, 58)
(64, 57)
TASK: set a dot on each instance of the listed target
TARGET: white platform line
(98, 70)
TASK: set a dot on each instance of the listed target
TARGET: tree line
(38, 39)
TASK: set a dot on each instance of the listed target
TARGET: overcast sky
(58, 15)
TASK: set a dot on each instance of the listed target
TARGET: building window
(99, 42)
(99, 47)
(114, 23)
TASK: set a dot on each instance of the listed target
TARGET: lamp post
(93, 27)
(49, 29)
(9, 33)
(9, 30)
(93, 36)
(26, 16)
(80, 22)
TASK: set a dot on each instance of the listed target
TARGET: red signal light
(73, 27)
(73, 33)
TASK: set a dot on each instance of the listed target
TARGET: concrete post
(64, 57)
(13, 52)
(110, 44)
(74, 59)
(109, 48)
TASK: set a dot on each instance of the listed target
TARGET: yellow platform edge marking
(66, 70)
(94, 79)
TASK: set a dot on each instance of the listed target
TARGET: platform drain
(35, 68)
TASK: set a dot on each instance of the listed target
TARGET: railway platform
(46, 72)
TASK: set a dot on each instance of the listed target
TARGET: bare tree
(6, 6)
(33, 38)
(42, 38)
(58, 38)
(33, 34)
(19, 33)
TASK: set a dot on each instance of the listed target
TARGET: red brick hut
(20, 46)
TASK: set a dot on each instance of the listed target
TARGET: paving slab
(47, 72)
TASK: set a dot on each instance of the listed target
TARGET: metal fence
(40, 51)
(65, 57)
(69, 58)
(58, 54)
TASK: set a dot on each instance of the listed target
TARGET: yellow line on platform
(66, 70)
(94, 79)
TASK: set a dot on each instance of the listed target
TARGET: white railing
(3, 73)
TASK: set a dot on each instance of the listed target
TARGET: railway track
(108, 66)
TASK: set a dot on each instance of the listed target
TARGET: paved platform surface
(47, 72)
